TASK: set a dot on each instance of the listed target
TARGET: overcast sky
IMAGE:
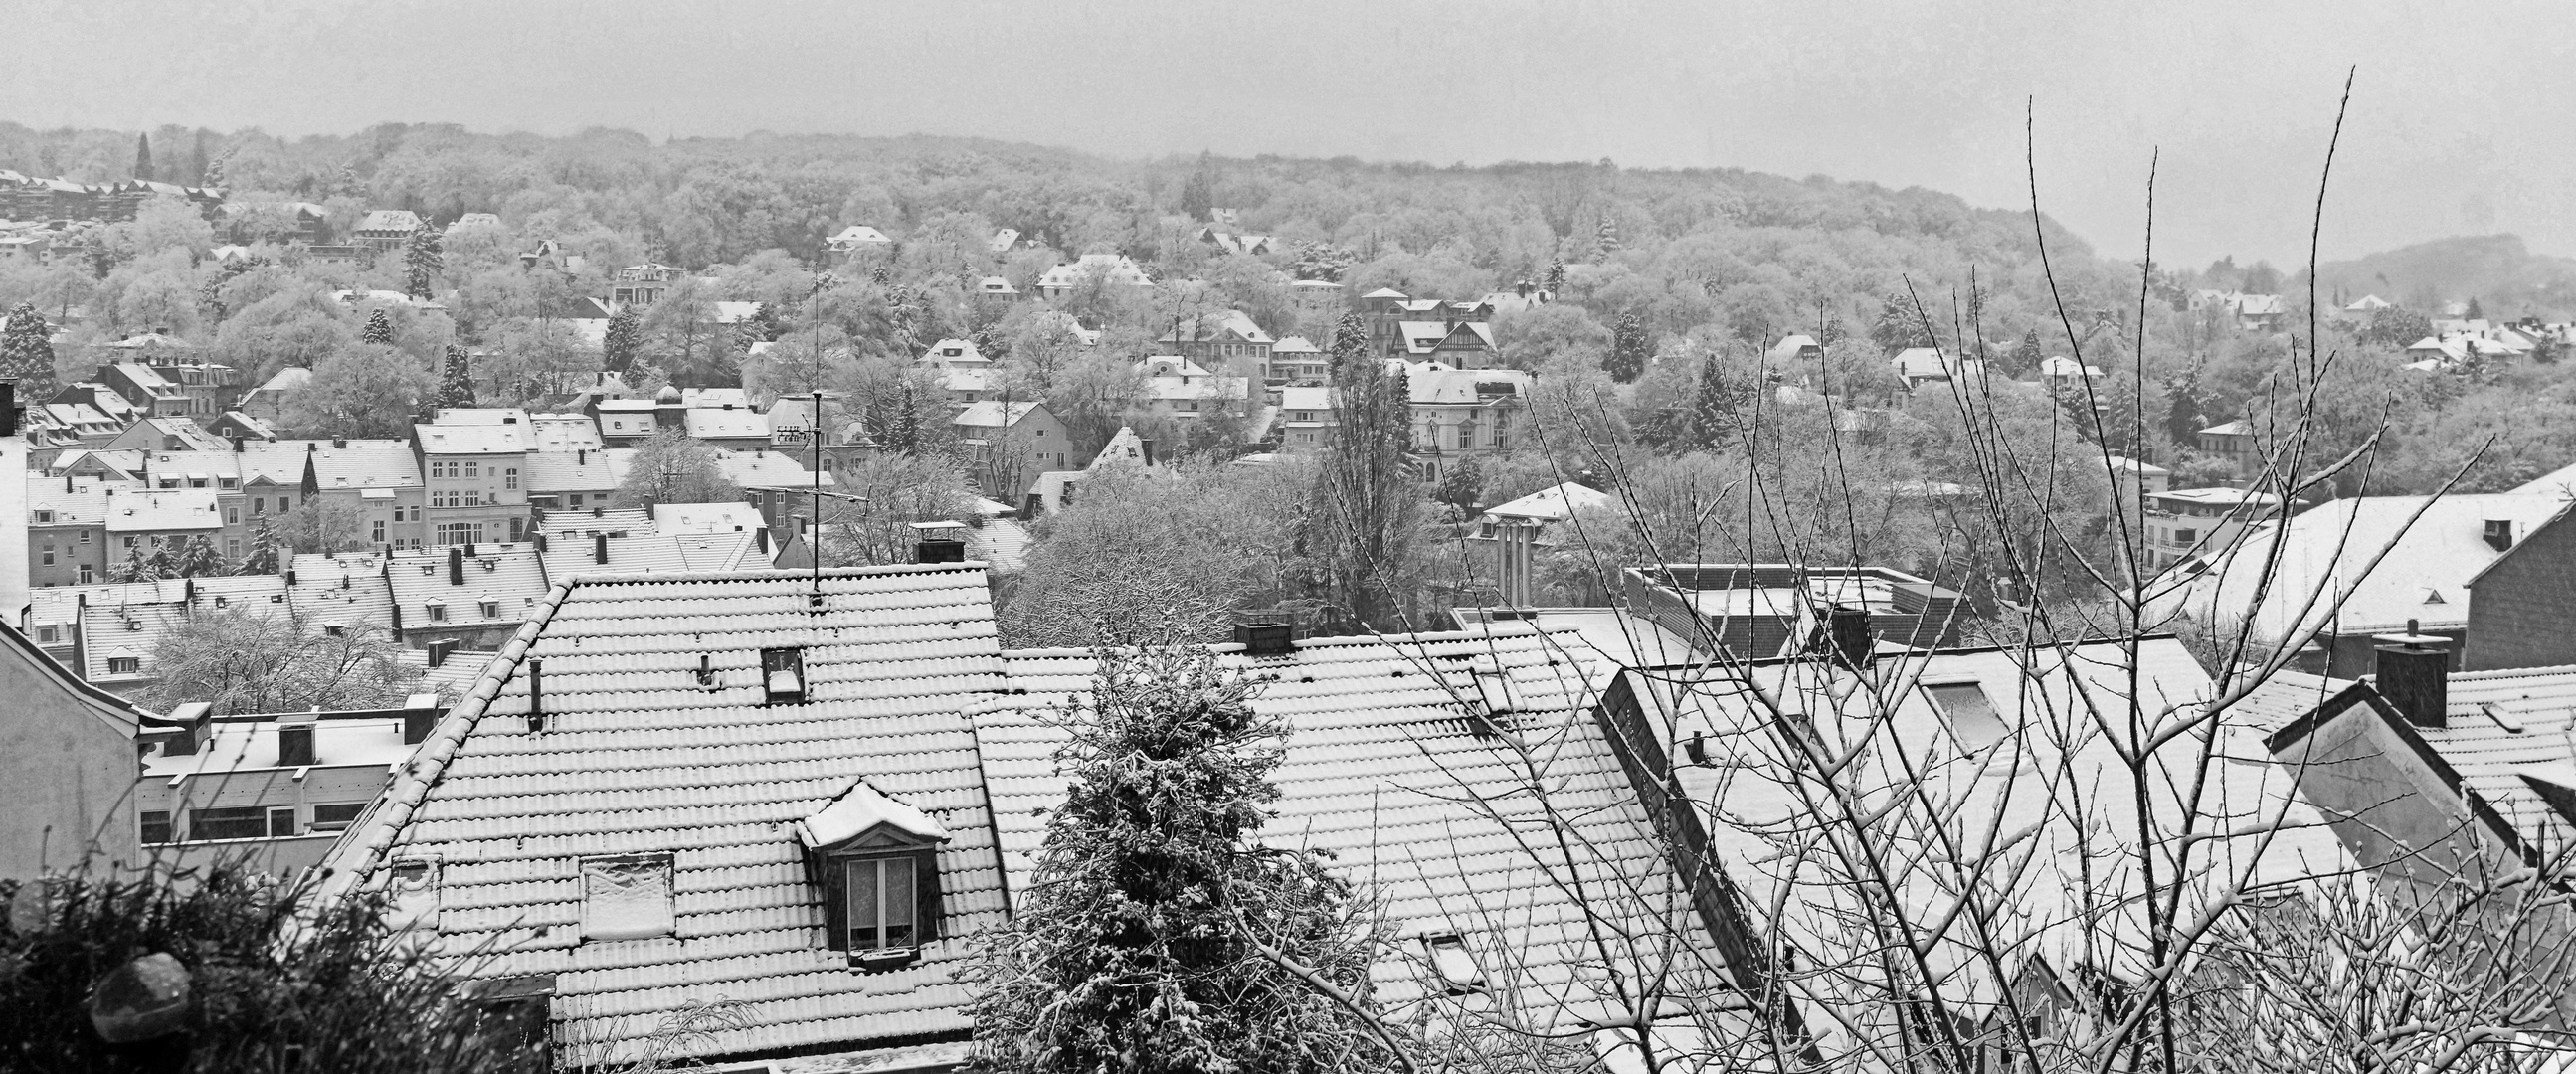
(2458, 122)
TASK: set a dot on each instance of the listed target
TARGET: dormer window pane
(881, 898)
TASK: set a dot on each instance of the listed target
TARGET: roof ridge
(358, 850)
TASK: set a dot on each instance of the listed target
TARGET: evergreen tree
(197, 558)
(380, 329)
(214, 176)
(456, 380)
(624, 340)
(1198, 192)
(264, 557)
(349, 186)
(210, 297)
(2474, 313)
(1139, 947)
(1462, 485)
(423, 259)
(903, 434)
(2026, 356)
(143, 158)
(1629, 350)
(1555, 280)
(27, 353)
(1350, 342)
(2185, 416)
(1605, 237)
(1712, 416)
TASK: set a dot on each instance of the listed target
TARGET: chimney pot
(2414, 675)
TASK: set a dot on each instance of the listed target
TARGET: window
(44, 516)
(783, 672)
(84, 537)
(232, 550)
(473, 469)
(1453, 963)
(626, 898)
(1972, 716)
(437, 612)
(125, 665)
(258, 506)
(156, 827)
(336, 816)
(2185, 537)
(378, 530)
(575, 499)
(473, 497)
(129, 540)
(49, 635)
(87, 575)
(234, 822)
(49, 555)
(510, 478)
(281, 822)
(232, 516)
(881, 903)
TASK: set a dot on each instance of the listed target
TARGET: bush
(276, 984)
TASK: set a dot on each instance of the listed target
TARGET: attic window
(335, 629)
(1453, 963)
(491, 608)
(1972, 715)
(437, 611)
(877, 862)
(783, 671)
(124, 665)
(2434, 596)
(626, 897)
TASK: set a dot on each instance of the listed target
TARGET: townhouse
(472, 475)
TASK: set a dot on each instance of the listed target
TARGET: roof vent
(295, 740)
(2499, 533)
(1268, 632)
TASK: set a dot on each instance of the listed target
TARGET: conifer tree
(1712, 416)
(625, 337)
(903, 433)
(423, 259)
(1555, 279)
(27, 353)
(1605, 237)
(1628, 350)
(380, 329)
(456, 378)
(1159, 937)
(143, 158)
(264, 556)
(197, 558)
(1350, 342)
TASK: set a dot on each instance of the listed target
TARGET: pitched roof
(2424, 575)
(1386, 769)
(509, 575)
(989, 414)
(627, 520)
(1554, 503)
(732, 516)
(637, 757)
(1431, 383)
(471, 439)
(707, 423)
(389, 220)
(562, 432)
(362, 464)
(162, 510)
(766, 469)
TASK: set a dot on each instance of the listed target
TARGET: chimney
(1847, 631)
(2499, 533)
(539, 539)
(469, 550)
(420, 713)
(581, 457)
(339, 441)
(1147, 443)
(193, 719)
(2414, 675)
(760, 538)
(599, 548)
(598, 510)
(8, 408)
(290, 576)
(939, 550)
(440, 650)
(1268, 632)
(455, 565)
(237, 445)
(295, 740)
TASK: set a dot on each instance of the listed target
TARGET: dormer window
(876, 861)
(437, 611)
(1453, 963)
(1972, 715)
(491, 608)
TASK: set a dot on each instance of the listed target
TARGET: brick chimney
(2414, 675)
(1848, 638)
(455, 565)
(599, 548)
(1266, 632)
(2499, 533)
(295, 740)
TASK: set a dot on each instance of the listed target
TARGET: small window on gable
(783, 671)
(1454, 963)
(626, 897)
(876, 863)
(1972, 715)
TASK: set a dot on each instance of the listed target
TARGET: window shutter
(925, 885)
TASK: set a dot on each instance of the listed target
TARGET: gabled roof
(2239, 427)
(732, 516)
(345, 587)
(636, 756)
(389, 220)
(1388, 769)
(2327, 549)
(765, 469)
(507, 574)
(563, 432)
(990, 414)
(471, 439)
(708, 423)
(360, 464)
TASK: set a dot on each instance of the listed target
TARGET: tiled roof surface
(722, 551)
(2423, 577)
(571, 523)
(636, 756)
(1002, 542)
(989, 414)
(578, 470)
(348, 587)
(732, 516)
(766, 470)
(1752, 791)
(563, 432)
(120, 632)
(162, 511)
(2499, 724)
(508, 574)
(85, 502)
(706, 423)
(1382, 765)
(362, 464)
(1432, 383)
(472, 439)
(644, 554)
